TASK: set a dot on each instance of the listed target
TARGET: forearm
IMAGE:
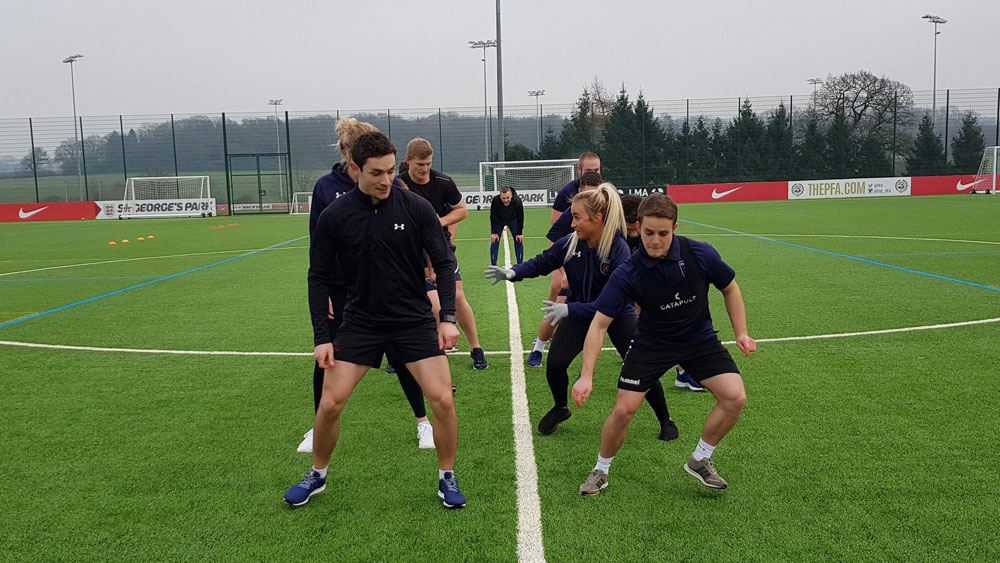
(319, 299)
(592, 349)
(736, 309)
(455, 215)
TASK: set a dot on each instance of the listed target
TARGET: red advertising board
(932, 185)
(48, 211)
(745, 191)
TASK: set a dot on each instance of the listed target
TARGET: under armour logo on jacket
(398, 226)
(577, 253)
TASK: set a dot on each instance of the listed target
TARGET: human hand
(324, 355)
(746, 344)
(519, 239)
(447, 335)
(496, 273)
(582, 389)
(555, 312)
(494, 238)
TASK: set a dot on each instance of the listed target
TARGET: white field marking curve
(491, 352)
(141, 258)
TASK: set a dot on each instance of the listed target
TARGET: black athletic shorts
(365, 346)
(643, 366)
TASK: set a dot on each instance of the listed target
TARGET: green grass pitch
(866, 447)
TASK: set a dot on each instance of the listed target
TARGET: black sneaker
(479, 359)
(551, 420)
(668, 431)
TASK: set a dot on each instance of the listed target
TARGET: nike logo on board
(719, 195)
(962, 187)
(23, 215)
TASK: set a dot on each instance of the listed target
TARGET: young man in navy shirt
(630, 204)
(668, 278)
(385, 230)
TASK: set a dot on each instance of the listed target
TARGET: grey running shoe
(596, 482)
(704, 471)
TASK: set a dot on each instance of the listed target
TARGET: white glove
(496, 273)
(555, 312)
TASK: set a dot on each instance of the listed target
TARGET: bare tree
(870, 103)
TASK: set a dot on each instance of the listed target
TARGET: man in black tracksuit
(378, 234)
(506, 210)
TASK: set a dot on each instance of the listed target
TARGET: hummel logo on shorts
(629, 381)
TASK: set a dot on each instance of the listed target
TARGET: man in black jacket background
(506, 210)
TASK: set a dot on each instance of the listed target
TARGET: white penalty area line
(517, 350)
(141, 258)
(529, 507)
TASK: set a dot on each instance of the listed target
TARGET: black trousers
(410, 386)
(567, 343)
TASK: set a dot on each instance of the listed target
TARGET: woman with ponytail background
(589, 255)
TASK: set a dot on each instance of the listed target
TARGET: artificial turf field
(867, 447)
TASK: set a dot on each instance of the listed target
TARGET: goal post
(167, 196)
(301, 203)
(536, 181)
(987, 179)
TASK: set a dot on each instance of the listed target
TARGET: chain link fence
(683, 141)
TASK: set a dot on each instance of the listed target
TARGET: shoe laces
(451, 484)
(309, 479)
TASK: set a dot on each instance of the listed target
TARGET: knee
(330, 404)
(442, 402)
(623, 413)
(735, 402)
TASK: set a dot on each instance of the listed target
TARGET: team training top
(510, 214)
(565, 194)
(440, 190)
(562, 227)
(668, 287)
(586, 273)
(381, 250)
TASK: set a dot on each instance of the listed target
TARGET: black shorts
(643, 366)
(365, 346)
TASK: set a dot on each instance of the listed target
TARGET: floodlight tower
(538, 115)
(277, 138)
(485, 44)
(76, 138)
(934, 20)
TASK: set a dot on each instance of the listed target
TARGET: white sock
(703, 450)
(540, 345)
(604, 463)
(441, 473)
(423, 423)
(322, 472)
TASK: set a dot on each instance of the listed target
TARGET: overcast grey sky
(209, 56)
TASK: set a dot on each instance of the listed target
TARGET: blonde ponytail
(606, 201)
(348, 130)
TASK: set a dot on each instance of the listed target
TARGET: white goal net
(986, 179)
(536, 181)
(169, 196)
(301, 203)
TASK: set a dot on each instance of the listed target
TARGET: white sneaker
(306, 446)
(425, 436)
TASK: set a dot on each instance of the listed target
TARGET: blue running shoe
(685, 381)
(311, 484)
(389, 369)
(449, 491)
(535, 359)
(479, 359)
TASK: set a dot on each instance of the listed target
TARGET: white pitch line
(529, 506)
(140, 258)
(491, 352)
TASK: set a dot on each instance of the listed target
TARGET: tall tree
(810, 160)
(869, 102)
(746, 136)
(550, 148)
(621, 144)
(777, 145)
(656, 151)
(967, 148)
(701, 165)
(926, 158)
(41, 160)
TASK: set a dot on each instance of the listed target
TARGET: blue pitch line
(893, 266)
(934, 253)
(150, 282)
(79, 279)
